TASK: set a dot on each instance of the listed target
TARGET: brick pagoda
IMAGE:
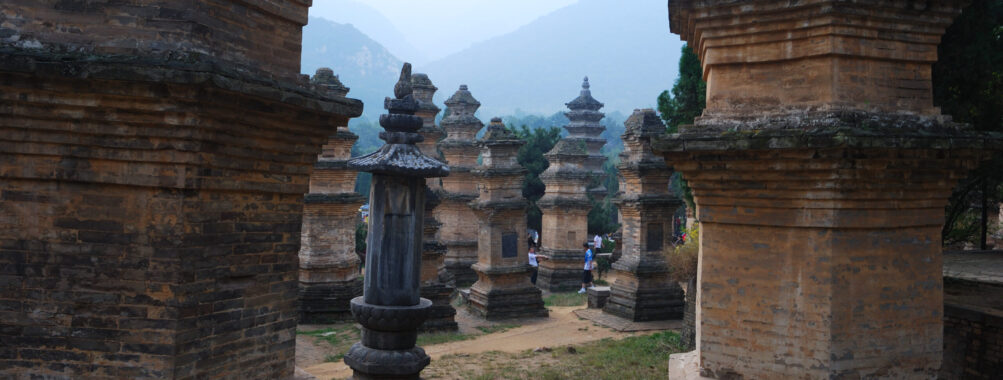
(459, 227)
(441, 316)
(642, 290)
(154, 158)
(584, 116)
(329, 268)
(820, 169)
(503, 289)
(565, 207)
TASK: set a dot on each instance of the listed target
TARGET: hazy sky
(442, 27)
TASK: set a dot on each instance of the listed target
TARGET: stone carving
(642, 290)
(503, 288)
(820, 168)
(391, 309)
(433, 286)
(329, 268)
(458, 232)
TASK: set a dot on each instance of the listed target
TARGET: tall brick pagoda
(565, 207)
(503, 289)
(584, 117)
(329, 268)
(459, 227)
(642, 290)
(820, 169)
(441, 317)
(155, 157)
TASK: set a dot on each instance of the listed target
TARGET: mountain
(362, 64)
(624, 47)
(370, 22)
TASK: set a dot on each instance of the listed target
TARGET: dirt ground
(560, 329)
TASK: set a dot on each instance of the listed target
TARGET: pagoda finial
(585, 83)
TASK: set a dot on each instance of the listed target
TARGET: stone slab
(626, 325)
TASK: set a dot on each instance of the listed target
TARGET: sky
(442, 27)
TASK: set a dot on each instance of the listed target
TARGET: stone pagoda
(459, 230)
(503, 289)
(565, 208)
(328, 266)
(584, 117)
(391, 309)
(642, 290)
(441, 317)
(820, 169)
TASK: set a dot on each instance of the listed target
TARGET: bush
(682, 259)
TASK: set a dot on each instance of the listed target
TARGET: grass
(640, 357)
(565, 299)
(341, 337)
(601, 282)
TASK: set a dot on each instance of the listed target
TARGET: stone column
(153, 163)
(565, 208)
(820, 169)
(459, 229)
(441, 317)
(642, 290)
(503, 289)
(391, 309)
(329, 268)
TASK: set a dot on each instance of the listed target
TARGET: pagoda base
(460, 272)
(505, 293)
(327, 302)
(645, 298)
(562, 272)
(442, 315)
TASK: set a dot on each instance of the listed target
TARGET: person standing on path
(587, 273)
(533, 264)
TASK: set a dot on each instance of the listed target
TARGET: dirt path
(562, 328)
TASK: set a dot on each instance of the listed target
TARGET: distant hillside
(624, 47)
(363, 65)
(371, 22)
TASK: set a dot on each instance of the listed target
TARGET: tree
(687, 101)
(538, 141)
(968, 85)
(689, 94)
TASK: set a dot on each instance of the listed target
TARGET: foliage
(686, 101)
(361, 233)
(682, 259)
(564, 299)
(968, 85)
(368, 142)
(689, 94)
(538, 141)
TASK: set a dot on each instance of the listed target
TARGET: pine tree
(689, 94)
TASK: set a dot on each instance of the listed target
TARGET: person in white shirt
(533, 264)
(597, 242)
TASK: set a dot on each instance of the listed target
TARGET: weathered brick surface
(150, 209)
(973, 315)
(262, 37)
(820, 170)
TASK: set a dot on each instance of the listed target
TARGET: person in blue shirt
(587, 273)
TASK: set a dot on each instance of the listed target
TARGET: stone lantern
(391, 309)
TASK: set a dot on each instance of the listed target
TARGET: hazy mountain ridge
(362, 64)
(624, 48)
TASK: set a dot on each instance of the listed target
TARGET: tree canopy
(688, 97)
(538, 141)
